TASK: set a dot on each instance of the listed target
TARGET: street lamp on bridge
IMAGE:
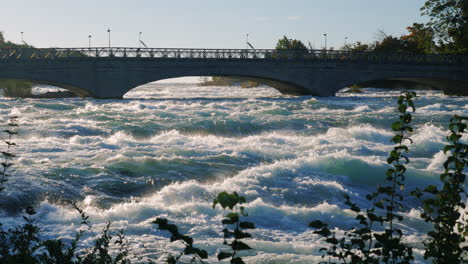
(139, 40)
(89, 41)
(109, 31)
(325, 35)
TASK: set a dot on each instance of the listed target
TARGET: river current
(167, 149)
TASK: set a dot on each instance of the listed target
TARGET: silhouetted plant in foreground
(362, 244)
(445, 208)
(233, 202)
(7, 155)
(24, 244)
(186, 240)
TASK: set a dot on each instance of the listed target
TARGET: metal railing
(226, 54)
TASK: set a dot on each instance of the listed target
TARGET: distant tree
(419, 39)
(387, 43)
(9, 44)
(358, 46)
(287, 47)
(449, 23)
(290, 44)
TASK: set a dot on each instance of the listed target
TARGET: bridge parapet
(233, 54)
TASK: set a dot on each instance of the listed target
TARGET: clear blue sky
(203, 23)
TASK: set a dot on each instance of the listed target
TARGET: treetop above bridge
(239, 54)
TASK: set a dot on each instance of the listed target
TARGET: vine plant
(7, 155)
(231, 201)
(445, 208)
(198, 254)
(362, 244)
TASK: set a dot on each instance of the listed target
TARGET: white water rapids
(171, 150)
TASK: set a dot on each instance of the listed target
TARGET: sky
(203, 23)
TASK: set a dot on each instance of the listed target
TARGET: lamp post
(109, 31)
(247, 41)
(139, 40)
(22, 39)
(345, 38)
(325, 35)
(89, 41)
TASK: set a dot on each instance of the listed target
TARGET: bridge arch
(283, 87)
(71, 88)
(448, 86)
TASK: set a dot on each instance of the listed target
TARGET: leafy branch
(7, 155)
(362, 244)
(200, 254)
(444, 207)
(231, 201)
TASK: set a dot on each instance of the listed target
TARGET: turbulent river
(167, 149)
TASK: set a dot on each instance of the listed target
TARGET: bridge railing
(244, 54)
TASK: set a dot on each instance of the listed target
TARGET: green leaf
(227, 200)
(233, 216)
(240, 234)
(431, 189)
(187, 239)
(402, 108)
(396, 126)
(317, 224)
(247, 225)
(202, 253)
(332, 240)
(379, 205)
(239, 245)
(227, 221)
(171, 259)
(237, 260)
(224, 255)
(325, 232)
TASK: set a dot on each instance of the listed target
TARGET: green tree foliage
(357, 46)
(286, 43)
(286, 47)
(389, 44)
(9, 44)
(449, 23)
(418, 39)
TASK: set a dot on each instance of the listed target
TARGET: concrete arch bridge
(112, 72)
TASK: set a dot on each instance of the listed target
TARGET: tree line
(445, 32)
